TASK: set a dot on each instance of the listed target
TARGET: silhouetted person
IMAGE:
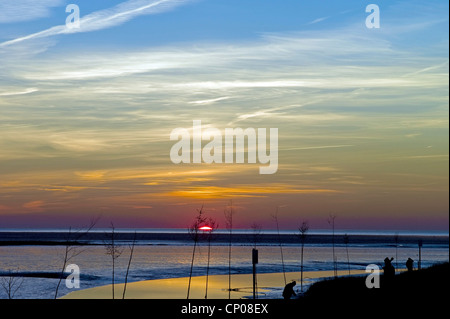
(389, 269)
(409, 264)
(289, 290)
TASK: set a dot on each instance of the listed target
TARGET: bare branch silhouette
(11, 283)
(113, 250)
(131, 247)
(331, 221)
(72, 248)
(346, 241)
(213, 226)
(256, 233)
(302, 229)
(275, 218)
(229, 223)
(193, 231)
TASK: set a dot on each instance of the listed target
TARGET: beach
(162, 259)
(270, 286)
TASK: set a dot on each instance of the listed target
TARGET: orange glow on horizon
(215, 192)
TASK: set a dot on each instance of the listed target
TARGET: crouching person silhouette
(289, 290)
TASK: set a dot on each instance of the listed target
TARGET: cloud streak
(25, 10)
(316, 147)
(26, 91)
(318, 20)
(214, 192)
(104, 19)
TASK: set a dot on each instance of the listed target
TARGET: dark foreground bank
(421, 290)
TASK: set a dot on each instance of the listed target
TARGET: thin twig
(129, 263)
(275, 218)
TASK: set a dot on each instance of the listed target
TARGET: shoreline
(177, 238)
(270, 286)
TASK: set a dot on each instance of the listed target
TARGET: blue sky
(213, 19)
(85, 116)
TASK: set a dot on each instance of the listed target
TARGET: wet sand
(269, 286)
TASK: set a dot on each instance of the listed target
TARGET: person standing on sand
(409, 264)
(389, 270)
(289, 290)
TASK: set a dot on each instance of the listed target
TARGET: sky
(362, 113)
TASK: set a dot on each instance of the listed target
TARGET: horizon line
(322, 231)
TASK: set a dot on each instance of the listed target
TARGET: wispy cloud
(210, 101)
(25, 10)
(316, 147)
(107, 18)
(318, 20)
(282, 79)
(22, 92)
(244, 191)
(226, 85)
(34, 205)
(438, 156)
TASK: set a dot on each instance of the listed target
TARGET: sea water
(168, 254)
